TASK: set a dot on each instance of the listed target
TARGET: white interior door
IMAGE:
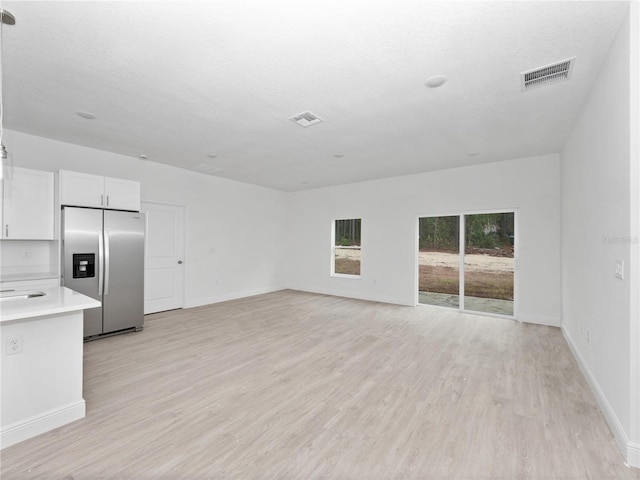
(164, 257)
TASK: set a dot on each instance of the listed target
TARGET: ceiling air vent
(548, 75)
(306, 119)
(206, 169)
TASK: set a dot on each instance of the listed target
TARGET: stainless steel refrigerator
(103, 258)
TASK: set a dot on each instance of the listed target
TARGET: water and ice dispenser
(84, 265)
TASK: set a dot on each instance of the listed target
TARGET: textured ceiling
(183, 81)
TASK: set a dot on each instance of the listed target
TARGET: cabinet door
(121, 194)
(28, 205)
(81, 189)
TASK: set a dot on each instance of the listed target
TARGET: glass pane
(489, 263)
(347, 247)
(347, 261)
(439, 261)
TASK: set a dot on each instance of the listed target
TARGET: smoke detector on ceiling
(547, 75)
(306, 119)
(206, 169)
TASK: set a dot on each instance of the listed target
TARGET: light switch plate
(620, 269)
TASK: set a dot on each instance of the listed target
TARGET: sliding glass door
(468, 262)
(439, 261)
(489, 262)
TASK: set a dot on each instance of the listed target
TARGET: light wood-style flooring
(292, 385)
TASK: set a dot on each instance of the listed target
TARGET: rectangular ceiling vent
(548, 75)
(206, 169)
(306, 119)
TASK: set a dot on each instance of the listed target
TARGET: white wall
(233, 237)
(596, 231)
(224, 218)
(633, 454)
(389, 210)
(14, 260)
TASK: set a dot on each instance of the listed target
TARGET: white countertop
(56, 300)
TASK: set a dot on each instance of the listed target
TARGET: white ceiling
(179, 81)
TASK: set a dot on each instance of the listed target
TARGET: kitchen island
(41, 337)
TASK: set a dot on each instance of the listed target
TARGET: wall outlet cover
(14, 345)
(620, 269)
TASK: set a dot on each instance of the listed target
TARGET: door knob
(179, 262)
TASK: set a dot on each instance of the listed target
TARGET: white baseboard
(633, 454)
(19, 431)
(199, 302)
(539, 319)
(342, 294)
(630, 451)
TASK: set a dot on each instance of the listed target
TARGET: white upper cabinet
(28, 205)
(121, 194)
(85, 190)
(81, 189)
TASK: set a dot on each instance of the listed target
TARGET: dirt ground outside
(472, 262)
(486, 276)
(347, 261)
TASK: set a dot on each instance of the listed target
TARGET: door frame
(461, 214)
(184, 241)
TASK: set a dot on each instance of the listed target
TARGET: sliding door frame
(462, 239)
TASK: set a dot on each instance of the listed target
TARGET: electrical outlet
(14, 345)
(588, 335)
(26, 254)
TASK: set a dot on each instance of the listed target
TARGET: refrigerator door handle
(106, 262)
(100, 262)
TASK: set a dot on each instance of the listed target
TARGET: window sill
(344, 275)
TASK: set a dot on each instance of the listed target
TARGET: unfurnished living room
(341, 240)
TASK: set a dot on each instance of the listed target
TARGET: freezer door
(82, 237)
(123, 300)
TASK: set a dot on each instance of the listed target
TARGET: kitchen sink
(12, 295)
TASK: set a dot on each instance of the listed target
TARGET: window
(346, 247)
